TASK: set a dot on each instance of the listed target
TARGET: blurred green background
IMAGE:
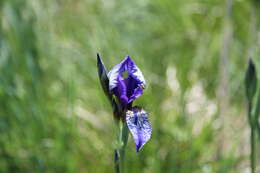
(54, 116)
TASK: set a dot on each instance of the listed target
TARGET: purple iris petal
(129, 88)
(138, 91)
(121, 91)
(139, 126)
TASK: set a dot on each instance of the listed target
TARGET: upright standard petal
(135, 72)
(139, 126)
(134, 82)
(121, 92)
(126, 65)
(134, 88)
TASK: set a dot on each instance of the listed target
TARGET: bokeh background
(54, 116)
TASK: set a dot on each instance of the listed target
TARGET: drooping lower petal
(139, 126)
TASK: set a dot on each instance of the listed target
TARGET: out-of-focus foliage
(54, 116)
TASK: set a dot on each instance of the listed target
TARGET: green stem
(120, 151)
(252, 140)
(117, 162)
(124, 139)
(252, 137)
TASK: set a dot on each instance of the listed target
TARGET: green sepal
(250, 81)
(104, 81)
(103, 78)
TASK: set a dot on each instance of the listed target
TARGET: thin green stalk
(252, 137)
(120, 151)
(124, 139)
(117, 162)
(252, 140)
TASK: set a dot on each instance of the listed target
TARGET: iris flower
(126, 82)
